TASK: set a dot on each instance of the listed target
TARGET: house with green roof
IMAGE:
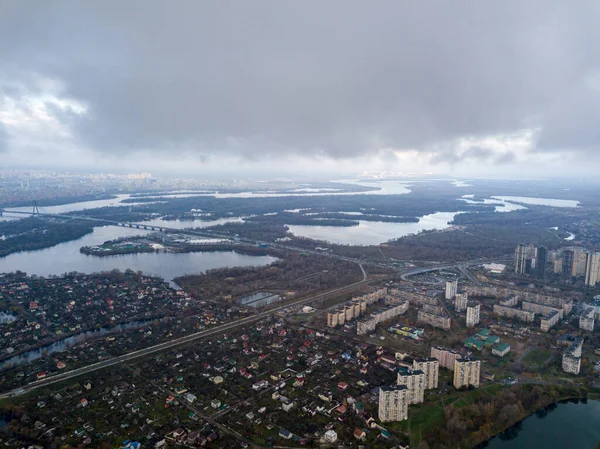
(501, 349)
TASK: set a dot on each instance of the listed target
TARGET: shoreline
(554, 404)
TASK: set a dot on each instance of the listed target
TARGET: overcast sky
(458, 88)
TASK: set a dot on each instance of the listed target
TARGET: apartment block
(369, 324)
(431, 368)
(549, 321)
(460, 302)
(434, 319)
(393, 403)
(445, 356)
(571, 359)
(541, 309)
(586, 319)
(451, 289)
(466, 372)
(473, 316)
(415, 382)
(511, 312)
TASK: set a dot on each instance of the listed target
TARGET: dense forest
(295, 272)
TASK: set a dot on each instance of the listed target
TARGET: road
(178, 341)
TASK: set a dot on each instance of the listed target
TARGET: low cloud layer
(270, 79)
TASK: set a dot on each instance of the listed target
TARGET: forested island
(35, 233)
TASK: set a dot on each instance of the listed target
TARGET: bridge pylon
(36, 209)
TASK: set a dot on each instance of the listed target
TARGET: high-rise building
(520, 257)
(592, 269)
(579, 262)
(541, 262)
(460, 302)
(466, 372)
(393, 403)
(451, 289)
(586, 319)
(415, 382)
(431, 368)
(446, 356)
(473, 314)
(568, 257)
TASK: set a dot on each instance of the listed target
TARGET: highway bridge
(123, 224)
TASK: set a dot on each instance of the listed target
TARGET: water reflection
(65, 257)
(373, 232)
(63, 344)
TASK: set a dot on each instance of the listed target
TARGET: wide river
(570, 425)
(65, 257)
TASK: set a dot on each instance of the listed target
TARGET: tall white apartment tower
(451, 289)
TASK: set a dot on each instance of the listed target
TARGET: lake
(373, 232)
(538, 201)
(65, 257)
(568, 425)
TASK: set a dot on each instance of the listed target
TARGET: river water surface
(569, 425)
(65, 257)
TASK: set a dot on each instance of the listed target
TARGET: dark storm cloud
(3, 138)
(309, 77)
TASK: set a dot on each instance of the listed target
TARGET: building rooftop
(394, 388)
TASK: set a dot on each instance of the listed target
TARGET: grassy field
(537, 357)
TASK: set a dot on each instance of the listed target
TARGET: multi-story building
(460, 302)
(369, 324)
(568, 261)
(451, 289)
(541, 309)
(393, 403)
(466, 372)
(520, 257)
(431, 367)
(586, 319)
(336, 317)
(592, 269)
(433, 319)
(473, 314)
(414, 380)
(510, 312)
(579, 262)
(513, 301)
(541, 262)
(445, 356)
(571, 359)
(548, 321)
